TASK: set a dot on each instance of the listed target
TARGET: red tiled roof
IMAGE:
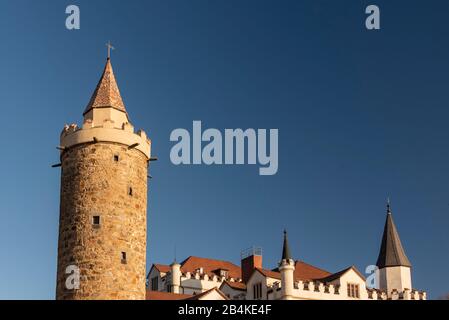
(159, 295)
(210, 266)
(303, 271)
(162, 267)
(235, 285)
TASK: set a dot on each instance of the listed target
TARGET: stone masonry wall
(94, 183)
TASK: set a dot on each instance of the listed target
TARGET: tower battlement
(73, 135)
(317, 290)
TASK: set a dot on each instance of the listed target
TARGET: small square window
(123, 257)
(96, 221)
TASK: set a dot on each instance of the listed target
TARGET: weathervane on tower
(109, 45)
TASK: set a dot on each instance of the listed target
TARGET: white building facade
(291, 280)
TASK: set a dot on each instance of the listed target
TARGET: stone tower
(103, 209)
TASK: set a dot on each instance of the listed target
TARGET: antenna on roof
(388, 205)
(175, 253)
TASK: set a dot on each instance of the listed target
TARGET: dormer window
(224, 273)
(200, 270)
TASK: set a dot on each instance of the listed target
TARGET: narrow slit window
(155, 283)
(123, 257)
(96, 221)
(257, 291)
(116, 157)
(130, 191)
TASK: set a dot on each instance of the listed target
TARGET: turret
(287, 269)
(394, 266)
(175, 277)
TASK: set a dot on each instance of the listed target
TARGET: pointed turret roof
(391, 251)
(285, 249)
(107, 93)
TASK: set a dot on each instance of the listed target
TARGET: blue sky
(361, 116)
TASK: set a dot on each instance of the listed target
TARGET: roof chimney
(250, 259)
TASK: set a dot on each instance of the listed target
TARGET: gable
(211, 294)
(352, 276)
(264, 276)
(153, 273)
